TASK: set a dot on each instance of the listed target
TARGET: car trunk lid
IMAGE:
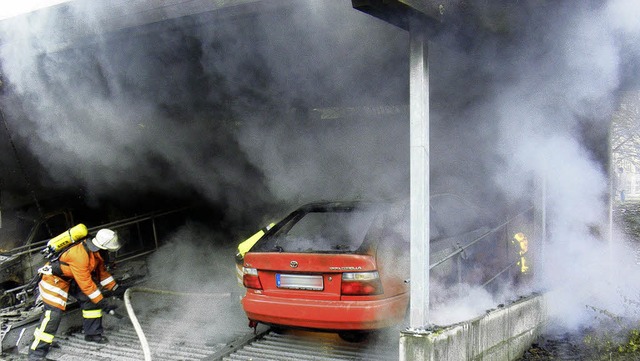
(312, 276)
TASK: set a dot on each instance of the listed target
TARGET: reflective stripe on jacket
(86, 268)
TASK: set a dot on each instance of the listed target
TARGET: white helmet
(106, 239)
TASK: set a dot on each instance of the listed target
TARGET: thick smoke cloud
(194, 106)
(310, 101)
(556, 71)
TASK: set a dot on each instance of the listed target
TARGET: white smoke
(541, 96)
(567, 77)
(194, 278)
(310, 102)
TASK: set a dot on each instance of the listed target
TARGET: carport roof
(117, 15)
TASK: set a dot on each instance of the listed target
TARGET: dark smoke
(309, 100)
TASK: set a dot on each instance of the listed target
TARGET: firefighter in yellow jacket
(523, 244)
(80, 272)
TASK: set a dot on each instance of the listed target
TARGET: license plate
(300, 282)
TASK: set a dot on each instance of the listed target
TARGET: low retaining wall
(503, 334)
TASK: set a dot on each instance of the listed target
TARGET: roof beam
(401, 12)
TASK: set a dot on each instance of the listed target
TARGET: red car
(332, 266)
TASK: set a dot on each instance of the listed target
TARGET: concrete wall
(501, 334)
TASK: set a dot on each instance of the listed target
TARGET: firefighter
(80, 272)
(523, 243)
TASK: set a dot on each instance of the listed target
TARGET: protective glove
(106, 306)
(118, 291)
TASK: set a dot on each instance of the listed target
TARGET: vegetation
(625, 132)
(617, 337)
(611, 337)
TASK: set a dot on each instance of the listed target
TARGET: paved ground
(202, 326)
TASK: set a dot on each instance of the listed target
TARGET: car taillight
(361, 283)
(250, 278)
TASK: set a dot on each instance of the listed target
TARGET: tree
(625, 142)
(625, 132)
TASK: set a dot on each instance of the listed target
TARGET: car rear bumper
(326, 315)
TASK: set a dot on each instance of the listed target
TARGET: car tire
(354, 336)
(278, 330)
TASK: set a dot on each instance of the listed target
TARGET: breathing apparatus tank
(65, 239)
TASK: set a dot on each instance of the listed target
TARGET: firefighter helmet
(519, 237)
(106, 239)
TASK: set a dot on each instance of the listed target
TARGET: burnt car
(344, 266)
(331, 266)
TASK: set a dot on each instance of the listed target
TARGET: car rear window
(332, 230)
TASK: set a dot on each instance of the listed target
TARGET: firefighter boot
(96, 338)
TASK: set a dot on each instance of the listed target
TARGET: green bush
(614, 338)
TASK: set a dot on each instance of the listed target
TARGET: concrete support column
(538, 241)
(419, 159)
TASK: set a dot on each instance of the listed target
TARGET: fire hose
(134, 320)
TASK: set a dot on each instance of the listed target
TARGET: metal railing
(27, 250)
(135, 220)
(501, 243)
